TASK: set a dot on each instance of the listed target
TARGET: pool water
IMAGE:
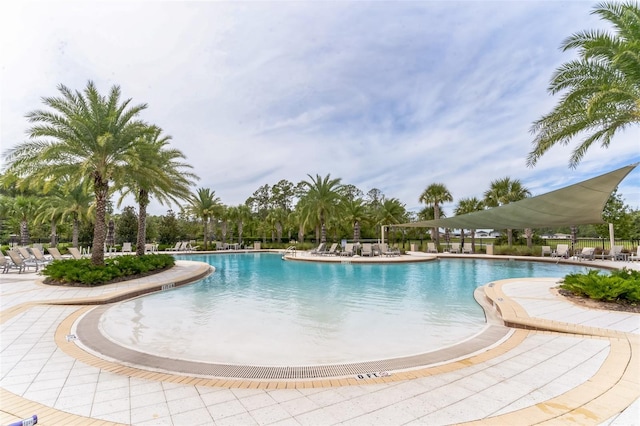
(258, 309)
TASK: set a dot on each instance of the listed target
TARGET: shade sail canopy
(578, 204)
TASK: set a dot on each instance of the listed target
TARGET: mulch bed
(621, 305)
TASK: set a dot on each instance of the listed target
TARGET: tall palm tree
(82, 134)
(205, 205)
(434, 195)
(154, 170)
(504, 191)
(602, 87)
(320, 201)
(469, 205)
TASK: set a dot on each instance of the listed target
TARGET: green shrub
(619, 285)
(82, 272)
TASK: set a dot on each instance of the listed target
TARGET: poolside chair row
(184, 246)
(21, 258)
(367, 249)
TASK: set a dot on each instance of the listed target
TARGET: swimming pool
(260, 310)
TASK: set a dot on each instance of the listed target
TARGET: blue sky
(387, 95)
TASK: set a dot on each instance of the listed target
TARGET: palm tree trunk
(529, 233)
(101, 189)
(436, 231)
(205, 221)
(54, 232)
(24, 232)
(75, 232)
(143, 201)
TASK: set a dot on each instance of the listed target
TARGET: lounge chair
(388, 251)
(4, 262)
(75, 253)
(546, 250)
(431, 248)
(55, 253)
(348, 250)
(19, 263)
(455, 248)
(367, 249)
(175, 248)
(25, 253)
(319, 250)
(40, 257)
(333, 250)
(467, 248)
(636, 256)
(614, 254)
(126, 248)
(587, 253)
(562, 250)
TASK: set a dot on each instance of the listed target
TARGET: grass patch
(82, 273)
(622, 285)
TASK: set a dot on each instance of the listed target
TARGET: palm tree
(154, 170)
(204, 204)
(320, 201)
(504, 191)
(354, 212)
(67, 201)
(602, 87)
(24, 207)
(469, 205)
(390, 211)
(434, 195)
(85, 135)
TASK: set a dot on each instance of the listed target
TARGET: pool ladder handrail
(289, 250)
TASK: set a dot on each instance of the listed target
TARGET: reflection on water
(259, 309)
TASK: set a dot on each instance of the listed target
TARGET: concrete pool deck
(559, 364)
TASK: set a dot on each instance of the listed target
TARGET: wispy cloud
(387, 95)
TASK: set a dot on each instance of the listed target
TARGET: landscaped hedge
(619, 285)
(119, 268)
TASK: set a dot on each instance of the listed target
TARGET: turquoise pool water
(258, 309)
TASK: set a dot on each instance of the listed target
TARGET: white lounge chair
(455, 248)
(587, 253)
(431, 248)
(385, 250)
(546, 250)
(367, 249)
(467, 248)
(126, 248)
(562, 250)
(614, 254)
(348, 250)
(175, 248)
(636, 256)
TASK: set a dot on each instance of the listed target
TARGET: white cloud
(392, 95)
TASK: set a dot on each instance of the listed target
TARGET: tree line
(84, 148)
